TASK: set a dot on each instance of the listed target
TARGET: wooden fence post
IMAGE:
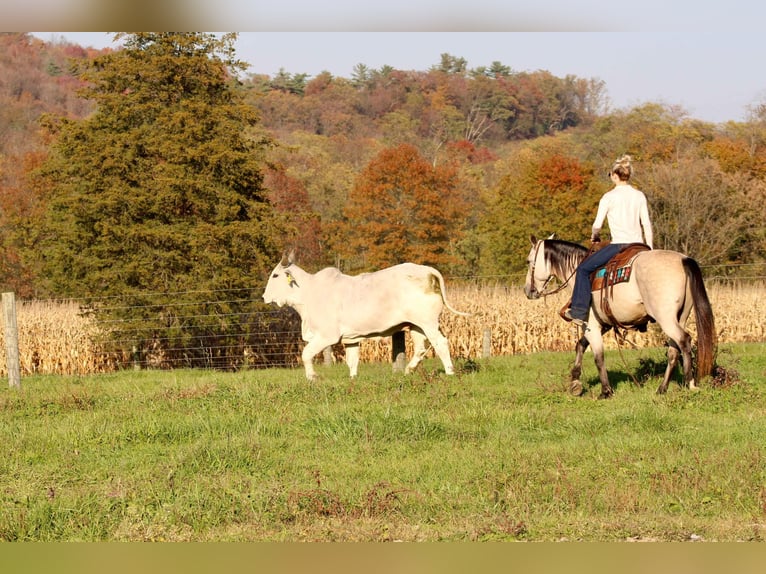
(398, 352)
(487, 343)
(11, 340)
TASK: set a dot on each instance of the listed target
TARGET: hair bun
(623, 166)
(624, 161)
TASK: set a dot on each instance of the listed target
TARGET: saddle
(617, 270)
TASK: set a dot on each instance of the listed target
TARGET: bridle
(542, 291)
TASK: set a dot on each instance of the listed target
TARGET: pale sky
(703, 56)
(714, 76)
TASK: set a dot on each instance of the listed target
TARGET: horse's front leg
(575, 386)
(595, 337)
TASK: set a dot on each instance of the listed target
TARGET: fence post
(398, 352)
(487, 343)
(11, 340)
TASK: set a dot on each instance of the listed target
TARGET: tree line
(162, 167)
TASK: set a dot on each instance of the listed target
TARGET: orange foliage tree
(543, 191)
(302, 225)
(402, 208)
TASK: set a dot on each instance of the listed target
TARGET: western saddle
(617, 270)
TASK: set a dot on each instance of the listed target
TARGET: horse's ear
(533, 239)
(551, 235)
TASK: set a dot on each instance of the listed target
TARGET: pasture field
(499, 452)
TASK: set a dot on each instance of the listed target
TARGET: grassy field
(499, 452)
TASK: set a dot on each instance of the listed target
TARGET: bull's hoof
(605, 395)
(575, 388)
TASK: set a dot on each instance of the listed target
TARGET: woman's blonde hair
(623, 168)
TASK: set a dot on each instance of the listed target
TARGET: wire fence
(225, 330)
(234, 329)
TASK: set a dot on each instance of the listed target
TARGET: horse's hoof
(575, 388)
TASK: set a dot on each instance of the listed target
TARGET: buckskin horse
(659, 286)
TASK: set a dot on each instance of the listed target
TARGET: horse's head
(538, 273)
(548, 259)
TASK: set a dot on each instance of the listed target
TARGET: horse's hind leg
(683, 349)
(597, 345)
(575, 386)
(672, 362)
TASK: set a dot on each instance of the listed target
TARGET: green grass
(503, 453)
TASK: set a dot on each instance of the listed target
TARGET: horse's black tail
(703, 313)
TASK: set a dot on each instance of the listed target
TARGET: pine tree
(161, 189)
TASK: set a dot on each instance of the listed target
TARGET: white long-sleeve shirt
(626, 210)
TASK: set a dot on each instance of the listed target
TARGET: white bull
(337, 307)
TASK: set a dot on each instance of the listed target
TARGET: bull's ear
(287, 259)
(533, 239)
(291, 257)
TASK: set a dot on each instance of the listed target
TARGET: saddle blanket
(619, 267)
(619, 275)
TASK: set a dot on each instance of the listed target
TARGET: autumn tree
(36, 79)
(698, 209)
(302, 229)
(542, 191)
(402, 208)
(160, 191)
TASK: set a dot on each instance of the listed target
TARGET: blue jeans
(581, 296)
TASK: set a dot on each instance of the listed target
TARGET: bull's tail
(443, 291)
(703, 313)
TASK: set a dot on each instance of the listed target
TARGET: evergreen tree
(161, 189)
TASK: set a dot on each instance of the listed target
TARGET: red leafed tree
(402, 208)
(291, 201)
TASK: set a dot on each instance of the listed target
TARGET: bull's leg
(352, 358)
(419, 349)
(311, 350)
(441, 346)
(575, 386)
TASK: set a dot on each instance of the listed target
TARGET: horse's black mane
(563, 256)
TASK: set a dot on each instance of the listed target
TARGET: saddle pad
(619, 275)
(619, 267)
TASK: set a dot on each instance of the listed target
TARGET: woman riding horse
(625, 209)
(662, 286)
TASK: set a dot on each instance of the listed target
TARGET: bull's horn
(288, 258)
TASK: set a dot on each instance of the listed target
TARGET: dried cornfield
(55, 338)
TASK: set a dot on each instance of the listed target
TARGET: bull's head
(281, 287)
